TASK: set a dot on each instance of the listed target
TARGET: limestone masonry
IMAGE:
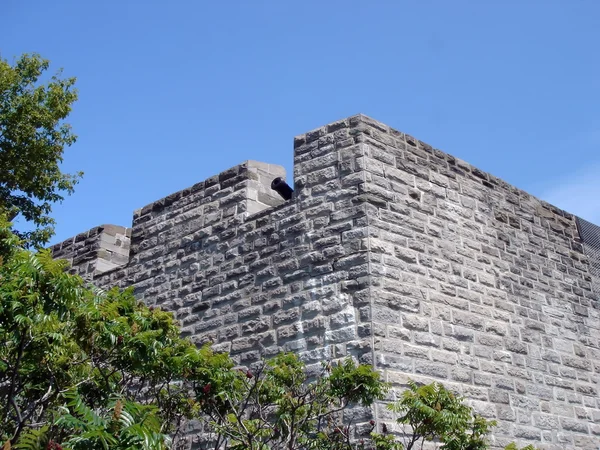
(390, 251)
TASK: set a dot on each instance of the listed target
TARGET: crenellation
(390, 251)
(98, 250)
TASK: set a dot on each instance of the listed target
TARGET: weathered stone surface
(99, 250)
(391, 252)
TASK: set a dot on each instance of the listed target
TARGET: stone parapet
(96, 251)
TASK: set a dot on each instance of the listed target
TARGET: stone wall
(397, 254)
(96, 251)
(256, 283)
(484, 287)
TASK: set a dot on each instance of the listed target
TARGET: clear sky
(172, 92)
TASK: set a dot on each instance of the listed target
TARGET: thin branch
(12, 385)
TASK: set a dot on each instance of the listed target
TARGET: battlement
(392, 252)
(239, 191)
(96, 251)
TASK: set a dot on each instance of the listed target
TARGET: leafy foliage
(71, 354)
(278, 407)
(433, 412)
(123, 425)
(33, 136)
(513, 446)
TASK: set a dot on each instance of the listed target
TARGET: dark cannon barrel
(282, 188)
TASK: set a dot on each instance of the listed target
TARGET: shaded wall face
(484, 288)
(98, 250)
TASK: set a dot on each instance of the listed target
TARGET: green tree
(432, 412)
(33, 136)
(277, 406)
(90, 369)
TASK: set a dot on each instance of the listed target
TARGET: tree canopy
(75, 361)
(33, 136)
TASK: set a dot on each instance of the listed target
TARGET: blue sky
(174, 92)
